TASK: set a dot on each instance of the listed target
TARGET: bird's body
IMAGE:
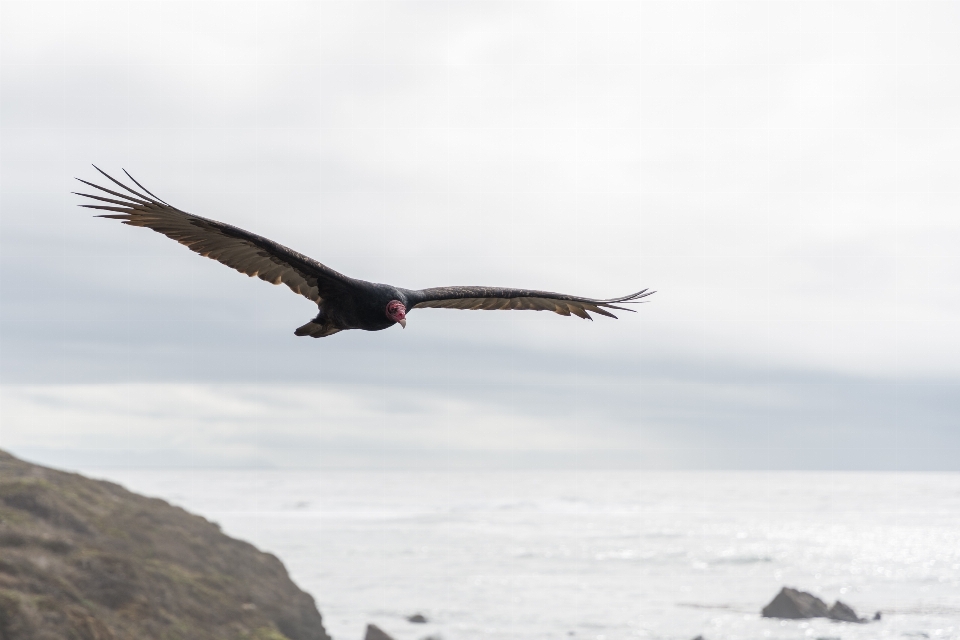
(344, 303)
(364, 311)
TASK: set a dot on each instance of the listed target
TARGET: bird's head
(397, 312)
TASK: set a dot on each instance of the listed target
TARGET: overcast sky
(784, 174)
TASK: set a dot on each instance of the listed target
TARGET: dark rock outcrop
(87, 559)
(417, 618)
(376, 633)
(843, 612)
(793, 604)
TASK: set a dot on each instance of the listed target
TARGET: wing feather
(246, 252)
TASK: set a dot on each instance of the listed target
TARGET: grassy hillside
(88, 560)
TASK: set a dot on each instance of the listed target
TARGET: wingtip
(636, 297)
(147, 191)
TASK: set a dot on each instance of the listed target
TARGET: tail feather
(316, 329)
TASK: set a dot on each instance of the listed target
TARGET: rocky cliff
(88, 560)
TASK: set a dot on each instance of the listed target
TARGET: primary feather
(344, 302)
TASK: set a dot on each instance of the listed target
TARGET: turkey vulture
(344, 302)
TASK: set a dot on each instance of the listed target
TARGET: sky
(783, 174)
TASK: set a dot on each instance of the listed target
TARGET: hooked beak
(403, 322)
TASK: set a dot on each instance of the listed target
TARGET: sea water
(595, 555)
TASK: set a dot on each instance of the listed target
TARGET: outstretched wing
(244, 251)
(494, 298)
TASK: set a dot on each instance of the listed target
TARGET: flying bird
(344, 302)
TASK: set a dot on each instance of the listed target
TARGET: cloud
(661, 420)
(270, 425)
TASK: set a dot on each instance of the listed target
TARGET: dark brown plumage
(344, 302)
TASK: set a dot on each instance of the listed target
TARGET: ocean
(599, 555)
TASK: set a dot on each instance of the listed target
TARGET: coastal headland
(88, 560)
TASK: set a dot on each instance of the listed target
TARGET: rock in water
(376, 633)
(844, 613)
(794, 604)
(82, 558)
(417, 618)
